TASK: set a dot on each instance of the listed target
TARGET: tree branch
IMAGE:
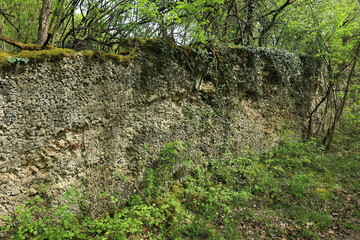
(12, 42)
(6, 16)
(20, 45)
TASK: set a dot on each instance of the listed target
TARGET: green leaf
(11, 59)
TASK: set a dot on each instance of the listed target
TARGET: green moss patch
(4, 56)
(124, 57)
(55, 54)
(44, 55)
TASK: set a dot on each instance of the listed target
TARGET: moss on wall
(54, 54)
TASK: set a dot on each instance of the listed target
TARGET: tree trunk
(249, 26)
(44, 21)
(330, 133)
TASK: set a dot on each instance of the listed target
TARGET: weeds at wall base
(296, 190)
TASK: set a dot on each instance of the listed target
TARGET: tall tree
(44, 21)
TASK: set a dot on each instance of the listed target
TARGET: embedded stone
(32, 191)
(207, 88)
(152, 98)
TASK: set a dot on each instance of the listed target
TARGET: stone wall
(85, 122)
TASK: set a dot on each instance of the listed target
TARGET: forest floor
(353, 236)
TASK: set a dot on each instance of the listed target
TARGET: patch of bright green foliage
(291, 191)
(17, 60)
(53, 53)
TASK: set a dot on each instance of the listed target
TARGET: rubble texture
(86, 122)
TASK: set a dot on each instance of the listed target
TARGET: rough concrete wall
(85, 122)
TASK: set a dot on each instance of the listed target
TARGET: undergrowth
(293, 191)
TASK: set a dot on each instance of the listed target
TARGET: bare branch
(20, 45)
(6, 16)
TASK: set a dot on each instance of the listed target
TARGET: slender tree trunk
(330, 133)
(44, 21)
(325, 98)
(249, 27)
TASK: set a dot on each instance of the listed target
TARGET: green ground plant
(295, 190)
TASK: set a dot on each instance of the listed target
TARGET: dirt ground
(353, 236)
